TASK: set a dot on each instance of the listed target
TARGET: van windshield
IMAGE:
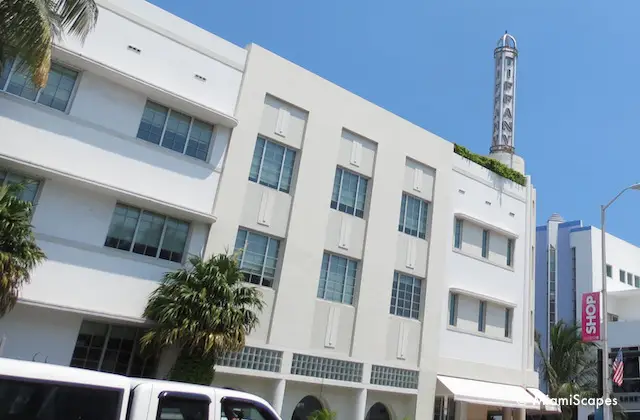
(22, 399)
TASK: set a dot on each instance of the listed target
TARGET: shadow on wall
(106, 139)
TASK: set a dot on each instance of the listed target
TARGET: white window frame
(270, 239)
(423, 205)
(35, 101)
(284, 157)
(344, 283)
(160, 242)
(366, 195)
(186, 143)
(393, 307)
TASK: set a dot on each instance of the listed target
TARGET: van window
(172, 408)
(237, 409)
(30, 400)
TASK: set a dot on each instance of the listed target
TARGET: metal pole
(605, 317)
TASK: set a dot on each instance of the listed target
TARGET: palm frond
(19, 253)
(28, 29)
(204, 308)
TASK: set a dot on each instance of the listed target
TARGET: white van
(40, 391)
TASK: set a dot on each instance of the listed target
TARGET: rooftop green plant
(491, 164)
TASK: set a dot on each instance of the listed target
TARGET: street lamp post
(606, 413)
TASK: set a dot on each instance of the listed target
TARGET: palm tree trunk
(193, 368)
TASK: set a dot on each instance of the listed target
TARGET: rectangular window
(457, 236)
(30, 189)
(405, 296)
(56, 94)
(482, 315)
(258, 257)
(337, 279)
(349, 192)
(413, 216)
(623, 276)
(636, 281)
(609, 271)
(195, 406)
(485, 243)
(146, 233)
(453, 309)
(272, 165)
(629, 279)
(510, 243)
(175, 131)
(112, 349)
(507, 322)
(43, 399)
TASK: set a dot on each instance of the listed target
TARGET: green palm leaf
(205, 309)
(28, 29)
(19, 253)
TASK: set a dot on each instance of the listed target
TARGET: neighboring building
(124, 148)
(568, 264)
(397, 274)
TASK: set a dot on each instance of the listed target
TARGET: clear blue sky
(431, 62)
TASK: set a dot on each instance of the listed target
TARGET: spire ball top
(507, 41)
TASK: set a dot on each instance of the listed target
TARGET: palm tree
(324, 414)
(19, 253)
(28, 29)
(203, 310)
(570, 366)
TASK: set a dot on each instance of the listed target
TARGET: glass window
(147, 233)
(337, 279)
(405, 296)
(25, 399)
(485, 243)
(507, 322)
(453, 309)
(609, 271)
(636, 281)
(30, 186)
(112, 349)
(623, 276)
(175, 131)
(629, 279)
(482, 315)
(56, 94)
(349, 192)
(242, 409)
(510, 243)
(258, 257)
(457, 238)
(174, 408)
(272, 165)
(413, 216)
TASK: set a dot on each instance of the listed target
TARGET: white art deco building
(397, 275)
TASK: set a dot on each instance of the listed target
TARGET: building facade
(397, 274)
(568, 264)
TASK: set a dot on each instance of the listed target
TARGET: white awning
(549, 405)
(489, 393)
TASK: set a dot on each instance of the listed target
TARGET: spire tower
(504, 103)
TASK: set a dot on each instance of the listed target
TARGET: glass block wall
(322, 367)
(254, 358)
(395, 377)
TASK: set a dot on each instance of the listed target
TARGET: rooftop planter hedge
(491, 164)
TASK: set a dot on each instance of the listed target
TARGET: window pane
(59, 87)
(337, 279)
(89, 345)
(323, 276)
(149, 233)
(362, 196)
(174, 240)
(271, 163)
(348, 193)
(175, 135)
(335, 196)
(199, 140)
(20, 84)
(403, 207)
(4, 75)
(152, 123)
(254, 173)
(30, 187)
(122, 228)
(287, 170)
(422, 227)
(259, 259)
(182, 409)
